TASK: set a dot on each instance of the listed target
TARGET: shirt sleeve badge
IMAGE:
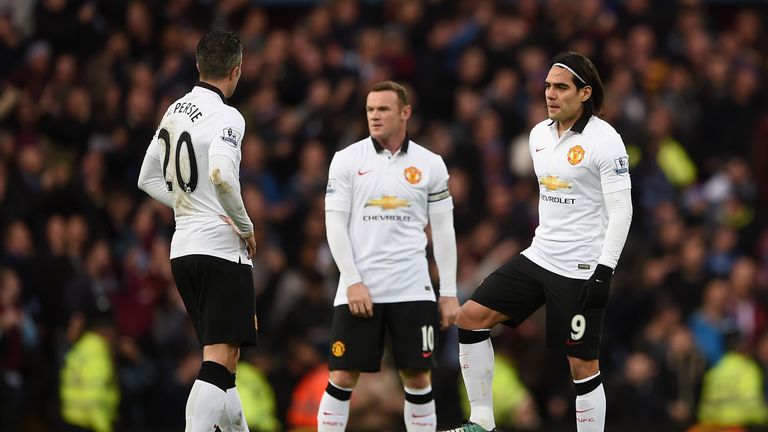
(231, 136)
(622, 165)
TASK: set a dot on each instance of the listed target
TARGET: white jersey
(574, 171)
(389, 198)
(199, 125)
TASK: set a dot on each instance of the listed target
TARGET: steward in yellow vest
(89, 388)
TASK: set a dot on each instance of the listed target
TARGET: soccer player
(192, 166)
(585, 211)
(382, 192)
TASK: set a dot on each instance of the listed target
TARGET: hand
(595, 291)
(249, 238)
(250, 244)
(359, 298)
(228, 220)
(449, 310)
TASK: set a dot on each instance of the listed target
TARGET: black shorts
(519, 287)
(357, 344)
(219, 298)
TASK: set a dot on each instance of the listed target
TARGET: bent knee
(581, 368)
(416, 379)
(474, 316)
(224, 354)
(346, 379)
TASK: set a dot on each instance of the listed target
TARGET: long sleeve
(619, 205)
(444, 249)
(151, 178)
(341, 246)
(223, 175)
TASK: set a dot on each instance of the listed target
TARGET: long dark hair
(586, 71)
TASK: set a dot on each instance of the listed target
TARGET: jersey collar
(212, 88)
(580, 124)
(403, 146)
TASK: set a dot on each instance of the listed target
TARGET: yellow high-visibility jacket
(732, 394)
(89, 389)
(258, 399)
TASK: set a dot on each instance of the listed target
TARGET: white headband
(571, 71)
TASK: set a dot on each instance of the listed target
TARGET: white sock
(333, 412)
(419, 410)
(233, 418)
(476, 361)
(204, 407)
(590, 406)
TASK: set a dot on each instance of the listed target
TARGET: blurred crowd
(84, 256)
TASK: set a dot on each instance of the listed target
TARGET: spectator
(680, 377)
(89, 389)
(709, 322)
(256, 394)
(18, 338)
(732, 393)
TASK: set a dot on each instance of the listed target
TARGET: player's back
(189, 128)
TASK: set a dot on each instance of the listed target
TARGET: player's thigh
(357, 344)
(182, 270)
(189, 285)
(219, 298)
(515, 289)
(577, 333)
(412, 327)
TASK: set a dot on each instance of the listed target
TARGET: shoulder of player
(226, 113)
(417, 150)
(541, 127)
(350, 153)
(355, 148)
(174, 105)
(604, 139)
(597, 127)
(226, 120)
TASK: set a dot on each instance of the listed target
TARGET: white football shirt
(574, 171)
(389, 198)
(196, 126)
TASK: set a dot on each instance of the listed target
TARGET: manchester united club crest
(338, 348)
(575, 155)
(412, 175)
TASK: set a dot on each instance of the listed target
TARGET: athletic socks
(206, 401)
(333, 412)
(233, 419)
(590, 404)
(476, 361)
(419, 410)
(418, 413)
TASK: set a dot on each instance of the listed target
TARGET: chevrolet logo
(553, 183)
(388, 202)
